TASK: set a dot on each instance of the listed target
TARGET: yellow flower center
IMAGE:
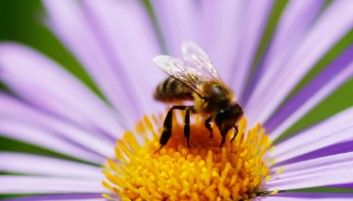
(205, 171)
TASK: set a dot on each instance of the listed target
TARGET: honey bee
(195, 79)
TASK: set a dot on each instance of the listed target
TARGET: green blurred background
(22, 21)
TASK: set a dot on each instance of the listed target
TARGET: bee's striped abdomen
(172, 89)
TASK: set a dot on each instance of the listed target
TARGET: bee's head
(227, 117)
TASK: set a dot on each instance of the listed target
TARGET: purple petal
(44, 84)
(324, 84)
(250, 35)
(336, 129)
(131, 44)
(348, 185)
(20, 113)
(327, 140)
(307, 167)
(71, 196)
(296, 19)
(179, 21)
(304, 196)
(337, 148)
(336, 21)
(38, 184)
(46, 166)
(27, 133)
(95, 53)
(222, 23)
(327, 177)
(56, 198)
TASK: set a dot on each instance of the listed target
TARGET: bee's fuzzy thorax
(218, 95)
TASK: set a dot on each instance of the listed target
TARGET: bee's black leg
(208, 126)
(223, 134)
(235, 133)
(168, 122)
(187, 125)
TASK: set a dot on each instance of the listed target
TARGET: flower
(262, 50)
(177, 172)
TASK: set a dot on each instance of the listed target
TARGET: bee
(195, 79)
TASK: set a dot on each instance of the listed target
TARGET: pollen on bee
(204, 171)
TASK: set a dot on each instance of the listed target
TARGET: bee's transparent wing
(180, 71)
(197, 57)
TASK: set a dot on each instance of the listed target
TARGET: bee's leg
(187, 124)
(168, 122)
(223, 134)
(208, 126)
(235, 133)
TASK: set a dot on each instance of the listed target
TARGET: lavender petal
(70, 196)
(336, 21)
(44, 84)
(336, 129)
(320, 87)
(130, 46)
(27, 133)
(313, 165)
(338, 148)
(46, 166)
(251, 32)
(223, 24)
(305, 196)
(39, 184)
(296, 20)
(23, 115)
(341, 175)
(94, 52)
(179, 21)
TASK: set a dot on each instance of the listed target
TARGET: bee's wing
(180, 71)
(197, 57)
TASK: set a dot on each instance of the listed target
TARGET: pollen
(204, 171)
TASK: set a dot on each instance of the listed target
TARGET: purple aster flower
(114, 140)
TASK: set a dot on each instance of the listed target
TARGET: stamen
(203, 172)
